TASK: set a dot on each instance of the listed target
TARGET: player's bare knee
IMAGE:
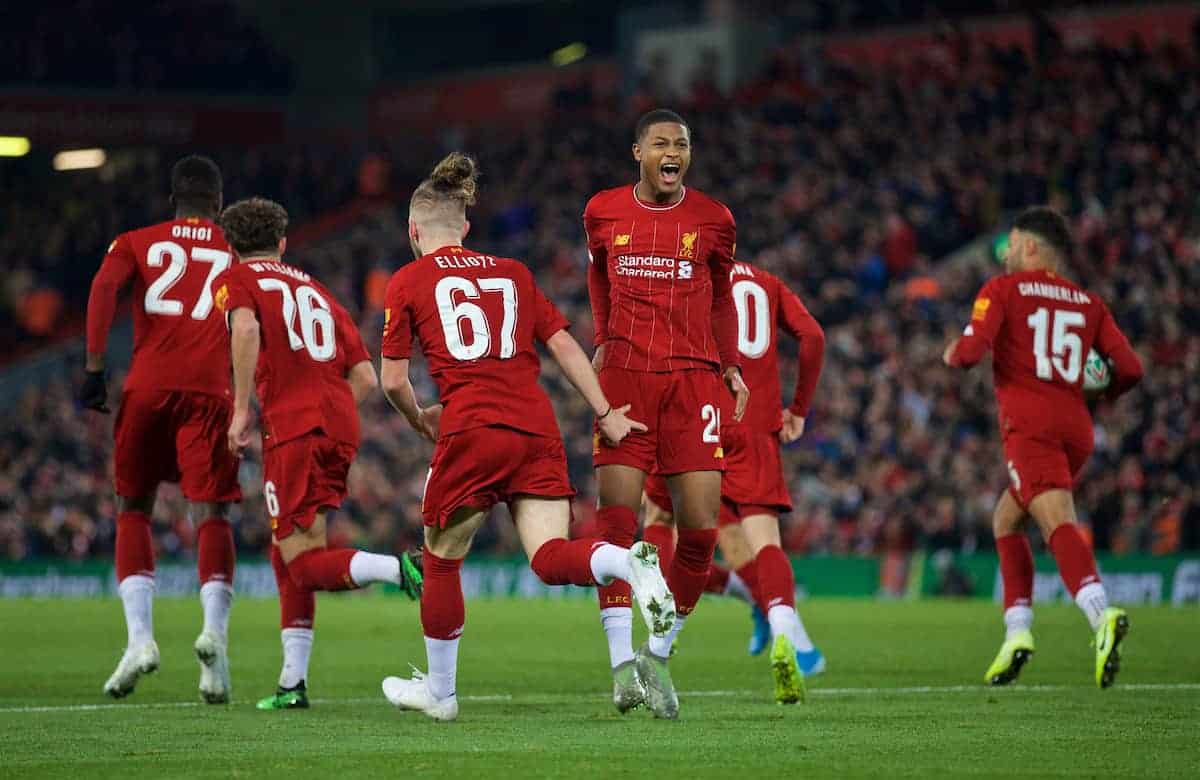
(618, 485)
(735, 548)
(204, 511)
(301, 540)
(656, 515)
(1051, 510)
(453, 541)
(539, 520)
(760, 531)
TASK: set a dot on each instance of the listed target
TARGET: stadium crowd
(857, 188)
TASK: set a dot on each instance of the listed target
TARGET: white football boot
(135, 662)
(215, 686)
(650, 590)
(414, 695)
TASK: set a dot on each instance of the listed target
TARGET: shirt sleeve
(230, 292)
(724, 315)
(987, 315)
(350, 340)
(397, 322)
(794, 318)
(598, 283)
(117, 268)
(548, 319)
(1112, 343)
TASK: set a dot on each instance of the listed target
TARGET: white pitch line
(715, 694)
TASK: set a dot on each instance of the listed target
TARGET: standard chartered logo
(653, 267)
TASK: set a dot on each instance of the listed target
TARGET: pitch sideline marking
(911, 690)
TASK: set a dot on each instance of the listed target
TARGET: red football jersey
(309, 343)
(476, 318)
(1040, 328)
(764, 304)
(659, 281)
(179, 342)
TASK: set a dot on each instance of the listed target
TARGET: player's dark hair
(655, 117)
(196, 183)
(254, 226)
(454, 179)
(1048, 225)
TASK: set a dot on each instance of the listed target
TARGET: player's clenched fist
(615, 426)
(239, 432)
(741, 393)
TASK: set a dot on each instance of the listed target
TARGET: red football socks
(442, 611)
(618, 525)
(135, 547)
(297, 606)
(323, 569)
(562, 562)
(718, 578)
(1016, 569)
(776, 582)
(689, 571)
(749, 575)
(1076, 564)
(662, 537)
(215, 553)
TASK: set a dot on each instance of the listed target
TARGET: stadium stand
(859, 188)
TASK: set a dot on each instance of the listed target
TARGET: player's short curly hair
(657, 116)
(254, 225)
(1048, 225)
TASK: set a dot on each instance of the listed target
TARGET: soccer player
(666, 335)
(175, 407)
(477, 317)
(753, 491)
(1040, 327)
(289, 334)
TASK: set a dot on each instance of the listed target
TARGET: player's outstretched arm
(244, 344)
(398, 389)
(614, 425)
(363, 380)
(796, 320)
(116, 270)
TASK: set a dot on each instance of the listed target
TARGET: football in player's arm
(1040, 327)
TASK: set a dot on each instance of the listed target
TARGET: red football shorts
(1045, 461)
(753, 481)
(175, 436)
(484, 466)
(681, 410)
(301, 476)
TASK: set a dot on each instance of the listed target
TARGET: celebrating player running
(476, 318)
(666, 333)
(175, 407)
(289, 334)
(1040, 327)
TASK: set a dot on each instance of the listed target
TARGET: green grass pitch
(902, 697)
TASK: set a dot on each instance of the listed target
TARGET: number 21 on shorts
(712, 430)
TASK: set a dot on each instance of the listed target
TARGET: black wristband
(606, 414)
